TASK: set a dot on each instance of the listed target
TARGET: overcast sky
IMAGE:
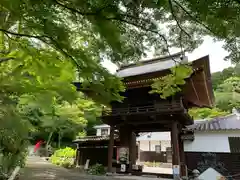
(209, 47)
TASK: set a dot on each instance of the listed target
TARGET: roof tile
(230, 122)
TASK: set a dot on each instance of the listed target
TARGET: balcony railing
(155, 108)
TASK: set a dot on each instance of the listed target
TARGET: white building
(102, 130)
(214, 135)
(153, 141)
(215, 149)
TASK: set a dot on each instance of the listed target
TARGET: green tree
(203, 113)
(219, 77)
(27, 72)
(228, 94)
(42, 42)
(88, 31)
(171, 84)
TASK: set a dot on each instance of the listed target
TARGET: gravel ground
(39, 169)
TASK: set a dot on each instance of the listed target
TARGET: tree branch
(174, 16)
(75, 10)
(147, 30)
(5, 59)
(43, 39)
(22, 35)
(192, 17)
(58, 47)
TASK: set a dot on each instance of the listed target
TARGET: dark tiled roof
(230, 122)
(92, 138)
(149, 66)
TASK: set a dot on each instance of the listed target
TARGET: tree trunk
(49, 138)
(48, 142)
(59, 140)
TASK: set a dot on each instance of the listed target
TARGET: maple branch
(175, 17)
(42, 38)
(5, 59)
(192, 17)
(75, 10)
(22, 35)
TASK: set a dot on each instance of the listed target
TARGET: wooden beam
(147, 122)
(205, 85)
(175, 150)
(110, 149)
(157, 129)
(195, 91)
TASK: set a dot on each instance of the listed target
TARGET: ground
(39, 169)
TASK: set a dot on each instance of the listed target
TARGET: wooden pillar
(183, 167)
(81, 160)
(132, 149)
(77, 159)
(110, 149)
(124, 133)
(126, 141)
(175, 150)
(139, 152)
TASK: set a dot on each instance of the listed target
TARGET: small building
(152, 147)
(95, 148)
(216, 145)
(155, 147)
(102, 130)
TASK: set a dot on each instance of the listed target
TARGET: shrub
(63, 157)
(97, 169)
(10, 159)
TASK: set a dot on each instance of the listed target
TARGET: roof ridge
(150, 60)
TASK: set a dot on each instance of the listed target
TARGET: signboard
(123, 168)
(123, 155)
(176, 172)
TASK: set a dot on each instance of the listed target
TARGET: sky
(209, 47)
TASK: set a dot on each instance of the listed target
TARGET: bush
(9, 159)
(97, 169)
(64, 157)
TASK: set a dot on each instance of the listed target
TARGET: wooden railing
(158, 107)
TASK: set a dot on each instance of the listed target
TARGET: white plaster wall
(99, 131)
(144, 145)
(210, 142)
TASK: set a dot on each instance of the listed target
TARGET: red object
(38, 145)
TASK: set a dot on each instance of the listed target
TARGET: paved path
(39, 169)
(158, 170)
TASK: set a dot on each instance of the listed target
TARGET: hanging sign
(176, 172)
(123, 168)
(123, 155)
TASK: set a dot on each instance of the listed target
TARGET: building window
(104, 132)
(158, 148)
(234, 144)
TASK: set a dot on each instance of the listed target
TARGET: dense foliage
(64, 157)
(88, 32)
(203, 113)
(221, 76)
(97, 169)
(171, 84)
(42, 43)
(227, 88)
(36, 95)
